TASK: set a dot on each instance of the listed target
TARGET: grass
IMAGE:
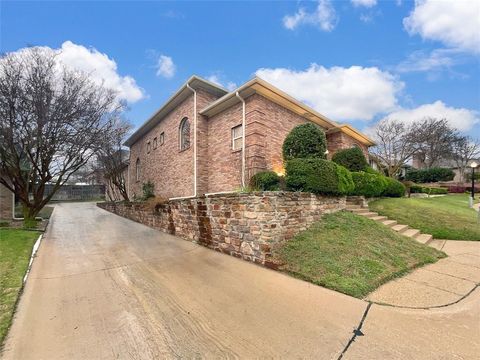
(15, 250)
(445, 217)
(351, 254)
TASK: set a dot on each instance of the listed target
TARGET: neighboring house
(448, 164)
(207, 140)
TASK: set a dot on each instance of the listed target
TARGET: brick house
(205, 139)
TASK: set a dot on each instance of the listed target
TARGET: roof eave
(168, 107)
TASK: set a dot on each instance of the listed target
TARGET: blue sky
(355, 61)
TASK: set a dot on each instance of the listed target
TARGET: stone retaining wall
(247, 226)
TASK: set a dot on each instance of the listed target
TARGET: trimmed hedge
(427, 190)
(266, 181)
(353, 159)
(430, 175)
(368, 185)
(345, 180)
(318, 176)
(394, 188)
(305, 141)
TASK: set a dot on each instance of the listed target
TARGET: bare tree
(395, 145)
(51, 121)
(434, 138)
(464, 150)
(112, 160)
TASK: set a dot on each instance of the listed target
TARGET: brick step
(379, 218)
(400, 228)
(353, 206)
(412, 233)
(389, 223)
(424, 238)
(368, 214)
(358, 211)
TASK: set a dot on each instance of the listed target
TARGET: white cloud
(101, 68)
(165, 67)
(435, 60)
(217, 79)
(324, 17)
(365, 3)
(460, 118)
(455, 23)
(354, 93)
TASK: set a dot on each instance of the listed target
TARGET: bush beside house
(305, 141)
(318, 176)
(348, 173)
(265, 181)
(353, 159)
(394, 188)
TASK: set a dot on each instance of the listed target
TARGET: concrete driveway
(103, 287)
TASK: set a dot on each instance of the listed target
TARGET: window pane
(185, 134)
(237, 131)
(237, 144)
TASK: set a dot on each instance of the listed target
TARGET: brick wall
(339, 140)
(247, 226)
(6, 196)
(169, 168)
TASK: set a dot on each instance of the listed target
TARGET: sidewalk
(444, 283)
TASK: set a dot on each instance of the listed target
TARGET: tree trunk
(29, 215)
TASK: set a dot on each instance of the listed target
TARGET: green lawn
(15, 250)
(351, 254)
(445, 217)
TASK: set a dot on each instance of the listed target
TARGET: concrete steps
(405, 230)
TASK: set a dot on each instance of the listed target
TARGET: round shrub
(368, 185)
(353, 159)
(317, 176)
(394, 188)
(305, 141)
(266, 181)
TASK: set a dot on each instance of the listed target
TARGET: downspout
(243, 137)
(194, 140)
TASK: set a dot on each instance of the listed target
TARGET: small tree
(111, 158)
(464, 150)
(433, 139)
(51, 122)
(395, 145)
(305, 141)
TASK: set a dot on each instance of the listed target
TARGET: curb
(34, 252)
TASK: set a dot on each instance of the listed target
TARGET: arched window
(184, 132)
(137, 170)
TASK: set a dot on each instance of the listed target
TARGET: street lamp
(473, 165)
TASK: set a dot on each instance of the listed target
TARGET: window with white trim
(162, 138)
(155, 143)
(149, 147)
(237, 135)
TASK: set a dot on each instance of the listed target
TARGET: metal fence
(77, 192)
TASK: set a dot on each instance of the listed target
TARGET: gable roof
(267, 90)
(180, 95)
